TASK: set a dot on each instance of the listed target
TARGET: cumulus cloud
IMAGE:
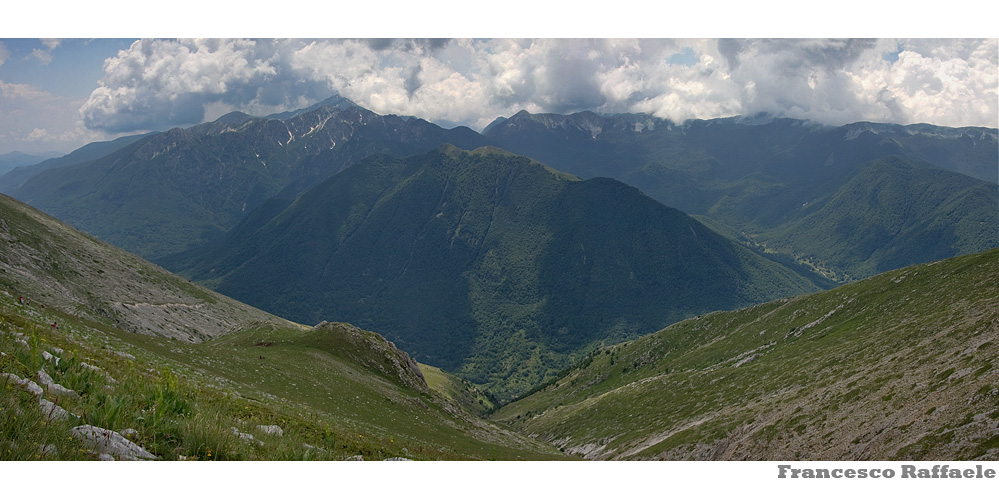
(156, 84)
(4, 53)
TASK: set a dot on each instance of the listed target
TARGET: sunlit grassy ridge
(898, 366)
(185, 399)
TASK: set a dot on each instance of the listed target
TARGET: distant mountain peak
(335, 101)
(234, 118)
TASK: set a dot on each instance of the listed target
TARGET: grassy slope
(341, 390)
(459, 391)
(898, 366)
(183, 398)
(48, 260)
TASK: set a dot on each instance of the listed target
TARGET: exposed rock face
(107, 284)
(98, 370)
(374, 351)
(111, 442)
(49, 358)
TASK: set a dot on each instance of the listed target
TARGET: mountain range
(761, 180)
(15, 159)
(756, 179)
(166, 192)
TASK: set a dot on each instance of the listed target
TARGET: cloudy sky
(58, 94)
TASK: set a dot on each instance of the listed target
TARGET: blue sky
(58, 94)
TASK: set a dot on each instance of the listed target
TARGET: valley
(379, 287)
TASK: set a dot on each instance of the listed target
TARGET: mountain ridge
(754, 177)
(182, 187)
(899, 366)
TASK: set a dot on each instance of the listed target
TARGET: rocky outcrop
(55, 388)
(111, 442)
(271, 429)
(52, 411)
(373, 351)
(25, 384)
(246, 437)
(49, 358)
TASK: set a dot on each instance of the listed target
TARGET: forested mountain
(761, 179)
(12, 180)
(484, 263)
(172, 190)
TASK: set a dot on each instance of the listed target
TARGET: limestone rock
(53, 387)
(123, 355)
(111, 442)
(49, 357)
(246, 437)
(52, 411)
(25, 384)
(271, 429)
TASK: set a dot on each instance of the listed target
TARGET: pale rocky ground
(56, 266)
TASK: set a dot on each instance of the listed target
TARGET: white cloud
(38, 134)
(43, 56)
(161, 83)
(4, 53)
(20, 91)
(37, 121)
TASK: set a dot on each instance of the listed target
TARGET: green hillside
(207, 377)
(900, 366)
(486, 264)
(893, 213)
